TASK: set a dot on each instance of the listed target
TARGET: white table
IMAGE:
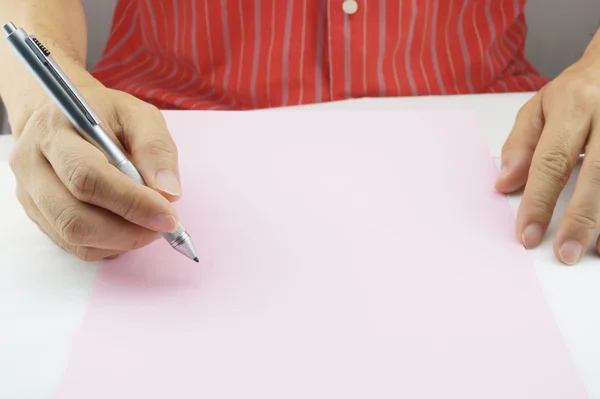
(44, 292)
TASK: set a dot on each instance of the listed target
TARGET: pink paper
(342, 255)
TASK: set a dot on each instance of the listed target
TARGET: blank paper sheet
(342, 255)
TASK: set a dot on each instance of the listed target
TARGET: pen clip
(44, 55)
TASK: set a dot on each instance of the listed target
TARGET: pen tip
(196, 260)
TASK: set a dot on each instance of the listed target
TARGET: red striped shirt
(245, 54)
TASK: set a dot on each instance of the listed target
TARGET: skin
(84, 205)
(70, 191)
(550, 132)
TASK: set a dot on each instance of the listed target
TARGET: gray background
(559, 31)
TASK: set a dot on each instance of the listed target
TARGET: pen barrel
(38, 66)
(127, 168)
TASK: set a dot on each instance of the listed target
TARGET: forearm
(61, 26)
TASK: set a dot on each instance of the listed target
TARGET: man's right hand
(83, 203)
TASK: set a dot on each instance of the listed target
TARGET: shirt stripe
(302, 49)
(408, 63)
(422, 47)
(255, 59)
(396, 48)
(382, 47)
(433, 49)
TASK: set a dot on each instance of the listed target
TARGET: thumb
(520, 145)
(152, 149)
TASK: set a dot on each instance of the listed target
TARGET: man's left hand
(551, 130)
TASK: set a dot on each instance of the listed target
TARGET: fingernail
(163, 223)
(167, 182)
(532, 235)
(570, 252)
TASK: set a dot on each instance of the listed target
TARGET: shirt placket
(339, 23)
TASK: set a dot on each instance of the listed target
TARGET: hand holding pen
(75, 165)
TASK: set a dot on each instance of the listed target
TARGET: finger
(580, 222)
(154, 153)
(520, 145)
(79, 223)
(85, 253)
(562, 139)
(87, 174)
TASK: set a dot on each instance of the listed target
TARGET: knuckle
(582, 91)
(82, 181)
(555, 167)
(149, 111)
(72, 227)
(151, 108)
(38, 122)
(542, 204)
(578, 106)
(583, 219)
(160, 147)
(42, 126)
(17, 159)
(39, 126)
(591, 171)
(582, 97)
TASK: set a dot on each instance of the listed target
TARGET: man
(247, 54)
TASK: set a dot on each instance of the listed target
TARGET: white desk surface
(44, 292)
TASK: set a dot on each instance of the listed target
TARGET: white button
(350, 6)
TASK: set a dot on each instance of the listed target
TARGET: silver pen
(39, 62)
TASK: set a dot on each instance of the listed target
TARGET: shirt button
(350, 6)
